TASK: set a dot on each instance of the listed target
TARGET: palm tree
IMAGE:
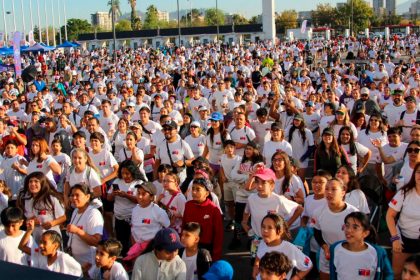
(135, 20)
(116, 8)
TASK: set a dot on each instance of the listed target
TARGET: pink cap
(264, 173)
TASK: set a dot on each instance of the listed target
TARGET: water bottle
(400, 182)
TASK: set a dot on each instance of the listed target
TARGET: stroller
(374, 192)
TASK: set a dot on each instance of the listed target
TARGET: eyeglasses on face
(413, 150)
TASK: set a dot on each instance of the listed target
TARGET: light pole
(352, 15)
(179, 27)
(5, 24)
(113, 30)
(217, 21)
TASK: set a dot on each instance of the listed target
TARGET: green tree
(213, 16)
(238, 19)
(75, 27)
(186, 19)
(362, 15)
(135, 20)
(116, 8)
(286, 20)
(255, 20)
(151, 20)
(123, 25)
(324, 14)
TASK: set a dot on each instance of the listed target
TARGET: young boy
(10, 237)
(13, 167)
(227, 162)
(274, 266)
(106, 266)
(63, 160)
(163, 262)
(197, 260)
(312, 203)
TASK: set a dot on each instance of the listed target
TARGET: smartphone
(115, 187)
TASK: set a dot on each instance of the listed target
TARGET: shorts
(410, 246)
(229, 191)
(324, 264)
(108, 205)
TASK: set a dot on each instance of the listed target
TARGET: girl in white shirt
(329, 221)
(123, 192)
(275, 235)
(354, 195)
(86, 225)
(47, 255)
(41, 202)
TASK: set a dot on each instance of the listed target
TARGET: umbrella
(38, 47)
(6, 51)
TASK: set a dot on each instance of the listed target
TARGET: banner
(1, 39)
(10, 38)
(303, 27)
(22, 39)
(31, 38)
(16, 54)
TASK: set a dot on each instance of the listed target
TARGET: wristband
(394, 238)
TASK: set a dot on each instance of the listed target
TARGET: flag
(16, 53)
(303, 27)
(1, 39)
(31, 38)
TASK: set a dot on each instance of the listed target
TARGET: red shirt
(20, 148)
(208, 216)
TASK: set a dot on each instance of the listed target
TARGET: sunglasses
(413, 150)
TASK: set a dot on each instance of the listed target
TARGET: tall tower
(391, 7)
(268, 20)
(378, 6)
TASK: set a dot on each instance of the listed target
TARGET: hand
(179, 163)
(397, 246)
(30, 224)
(73, 229)
(376, 142)
(326, 249)
(245, 226)
(117, 193)
(47, 225)
(15, 166)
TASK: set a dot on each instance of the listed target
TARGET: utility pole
(113, 31)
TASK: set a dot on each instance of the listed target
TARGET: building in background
(102, 20)
(163, 16)
(414, 11)
(378, 7)
(391, 7)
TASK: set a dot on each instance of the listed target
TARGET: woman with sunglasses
(403, 220)
(411, 159)
(374, 132)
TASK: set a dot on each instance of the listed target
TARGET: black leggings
(123, 234)
(239, 212)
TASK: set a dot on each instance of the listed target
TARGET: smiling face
(354, 231)
(47, 247)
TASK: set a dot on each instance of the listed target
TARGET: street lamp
(113, 30)
(179, 27)
(217, 22)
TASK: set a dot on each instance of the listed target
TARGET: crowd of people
(139, 163)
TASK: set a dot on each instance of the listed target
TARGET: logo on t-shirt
(146, 221)
(42, 212)
(271, 212)
(102, 163)
(175, 152)
(242, 138)
(394, 201)
(307, 261)
(39, 166)
(130, 192)
(364, 272)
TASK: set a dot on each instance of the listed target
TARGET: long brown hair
(43, 148)
(287, 169)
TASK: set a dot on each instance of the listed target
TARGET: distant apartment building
(414, 10)
(163, 16)
(102, 20)
(342, 4)
(378, 6)
(302, 15)
(391, 7)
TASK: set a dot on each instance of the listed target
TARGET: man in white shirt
(393, 111)
(408, 118)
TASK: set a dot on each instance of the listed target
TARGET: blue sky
(83, 8)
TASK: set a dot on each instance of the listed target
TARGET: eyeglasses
(413, 150)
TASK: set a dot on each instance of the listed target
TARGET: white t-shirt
(42, 214)
(191, 264)
(228, 164)
(358, 199)
(123, 207)
(272, 147)
(409, 208)
(104, 161)
(330, 223)
(360, 152)
(410, 119)
(9, 251)
(82, 178)
(366, 140)
(197, 144)
(117, 272)
(92, 223)
(43, 167)
(299, 147)
(258, 207)
(310, 206)
(215, 148)
(176, 207)
(292, 189)
(296, 257)
(146, 222)
(64, 263)
(243, 136)
(397, 153)
(262, 132)
(355, 265)
(393, 113)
